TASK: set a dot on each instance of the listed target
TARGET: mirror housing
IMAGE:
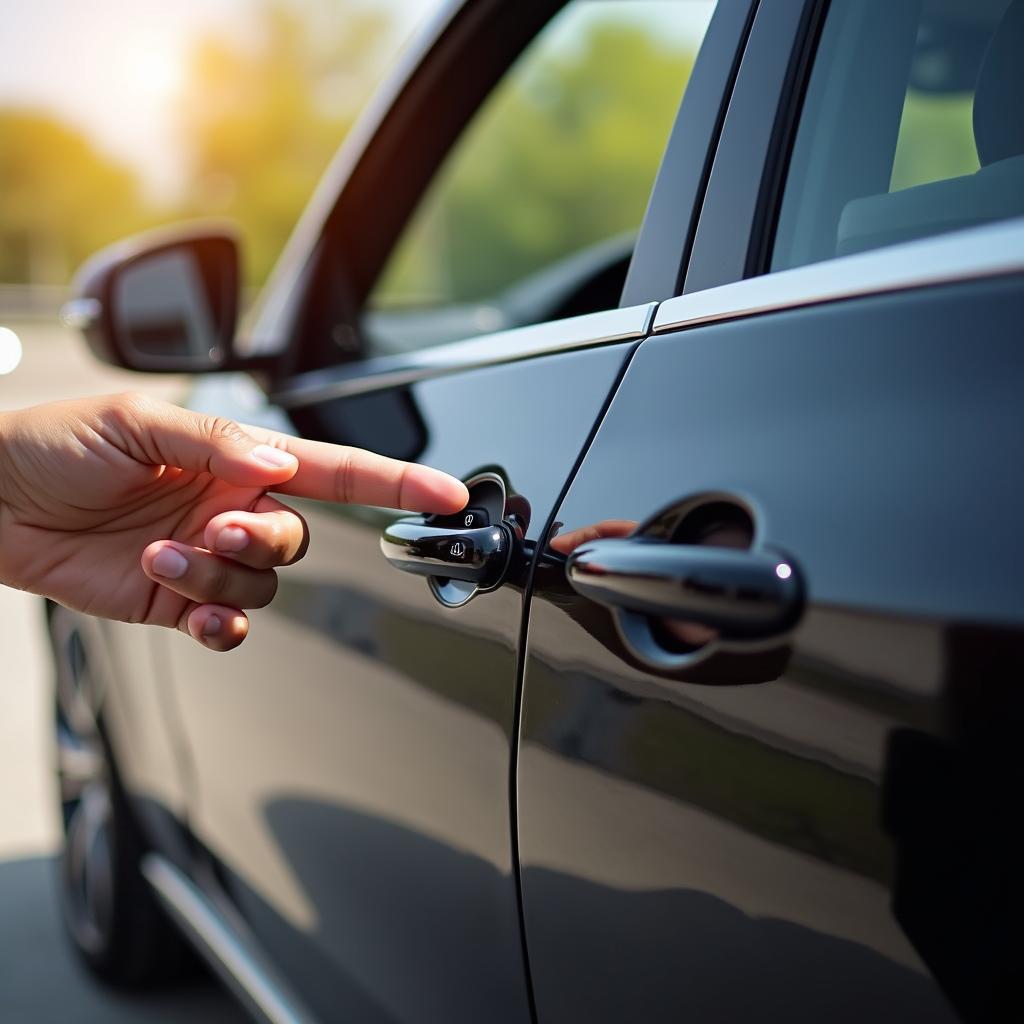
(163, 302)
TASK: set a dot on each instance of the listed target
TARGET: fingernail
(273, 456)
(231, 539)
(170, 564)
(211, 627)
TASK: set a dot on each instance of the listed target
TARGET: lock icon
(458, 549)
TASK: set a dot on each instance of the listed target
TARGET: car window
(532, 216)
(910, 127)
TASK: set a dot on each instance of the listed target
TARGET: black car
(708, 706)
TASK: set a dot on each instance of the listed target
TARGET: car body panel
(352, 759)
(726, 840)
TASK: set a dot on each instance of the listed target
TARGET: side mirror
(162, 303)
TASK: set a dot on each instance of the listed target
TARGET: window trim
(989, 250)
(658, 265)
(738, 214)
(544, 339)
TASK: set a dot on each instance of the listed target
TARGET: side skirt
(226, 944)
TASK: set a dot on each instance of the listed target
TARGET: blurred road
(40, 982)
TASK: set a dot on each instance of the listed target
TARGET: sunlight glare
(10, 350)
(154, 71)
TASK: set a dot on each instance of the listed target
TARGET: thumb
(171, 436)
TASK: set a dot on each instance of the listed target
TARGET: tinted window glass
(911, 127)
(532, 215)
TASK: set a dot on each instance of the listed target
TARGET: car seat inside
(995, 191)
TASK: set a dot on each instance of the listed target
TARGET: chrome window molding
(547, 338)
(988, 251)
(223, 945)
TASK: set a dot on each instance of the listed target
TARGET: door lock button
(467, 519)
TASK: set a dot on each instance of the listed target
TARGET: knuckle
(403, 480)
(277, 544)
(222, 429)
(303, 547)
(269, 591)
(131, 408)
(134, 400)
(126, 419)
(218, 579)
(182, 623)
(343, 476)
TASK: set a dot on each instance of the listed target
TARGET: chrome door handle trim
(475, 556)
(743, 594)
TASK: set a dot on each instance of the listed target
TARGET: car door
(351, 763)
(771, 704)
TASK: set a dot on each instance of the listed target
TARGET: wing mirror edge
(165, 301)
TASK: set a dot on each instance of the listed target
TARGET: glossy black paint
(353, 758)
(817, 847)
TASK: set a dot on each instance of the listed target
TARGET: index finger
(331, 472)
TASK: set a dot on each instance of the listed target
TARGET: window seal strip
(549, 338)
(991, 250)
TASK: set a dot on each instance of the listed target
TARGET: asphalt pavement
(40, 980)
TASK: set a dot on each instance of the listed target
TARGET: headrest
(999, 93)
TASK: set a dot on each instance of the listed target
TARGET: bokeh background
(121, 115)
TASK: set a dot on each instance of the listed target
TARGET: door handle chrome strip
(744, 595)
(477, 556)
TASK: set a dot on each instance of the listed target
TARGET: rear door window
(911, 126)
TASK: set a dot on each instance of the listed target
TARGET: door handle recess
(474, 556)
(743, 594)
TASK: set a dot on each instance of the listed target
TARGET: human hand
(132, 509)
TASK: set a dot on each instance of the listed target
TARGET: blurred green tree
(264, 111)
(60, 198)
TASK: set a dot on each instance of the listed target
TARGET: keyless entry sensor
(461, 555)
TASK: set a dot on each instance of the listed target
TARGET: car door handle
(743, 594)
(476, 556)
